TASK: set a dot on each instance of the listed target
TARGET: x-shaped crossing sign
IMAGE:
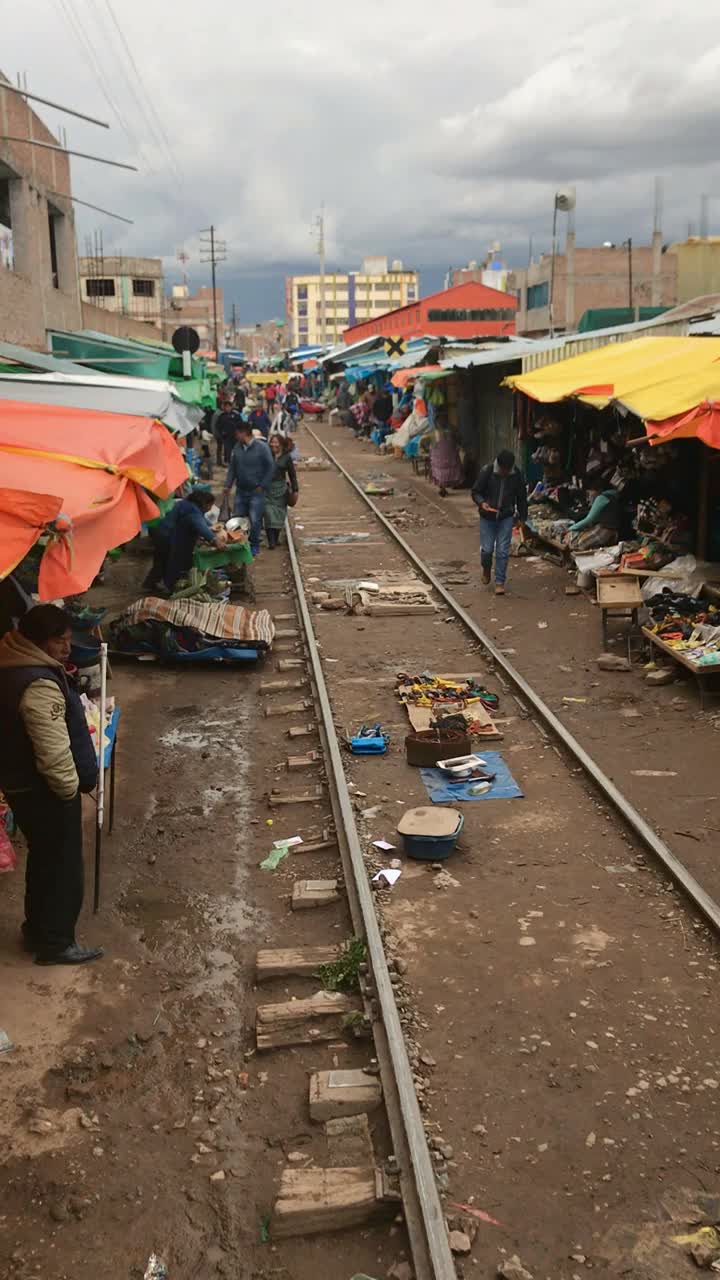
(394, 347)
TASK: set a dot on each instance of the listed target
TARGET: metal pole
(56, 105)
(212, 262)
(101, 774)
(552, 271)
(48, 146)
(321, 251)
(630, 279)
(63, 195)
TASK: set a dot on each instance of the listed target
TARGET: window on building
(440, 315)
(302, 293)
(411, 293)
(302, 309)
(7, 257)
(53, 250)
(538, 295)
(143, 288)
(98, 287)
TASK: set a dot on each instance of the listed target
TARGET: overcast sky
(429, 130)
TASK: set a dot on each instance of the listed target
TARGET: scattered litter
(275, 857)
(613, 662)
(477, 1213)
(566, 699)
(293, 840)
(542, 626)
(331, 539)
(654, 773)
(265, 1229)
(370, 813)
(513, 1269)
(384, 845)
(156, 1269)
(6, 1043)
(389, 874)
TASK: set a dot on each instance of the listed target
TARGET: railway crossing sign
(395, 347)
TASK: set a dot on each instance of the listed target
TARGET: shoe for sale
(74, 954)
(486, 577)
(499, 590)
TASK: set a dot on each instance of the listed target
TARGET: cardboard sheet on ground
(420, 717)
(503, 788)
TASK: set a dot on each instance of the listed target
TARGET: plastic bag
(8, 857)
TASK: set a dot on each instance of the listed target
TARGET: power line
(158, 126)
(91, 58)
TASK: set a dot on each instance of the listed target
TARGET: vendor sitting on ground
(175, 537)
(601, 526)
(47, 759)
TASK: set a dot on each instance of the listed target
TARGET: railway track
(361, 677)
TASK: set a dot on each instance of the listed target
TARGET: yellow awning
(655, 378)
(280, 375)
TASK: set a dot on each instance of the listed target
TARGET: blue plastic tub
(432, 848)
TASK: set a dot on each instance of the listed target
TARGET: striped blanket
(221, 621)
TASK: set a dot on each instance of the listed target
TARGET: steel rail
(435, 1240)
(709, 908)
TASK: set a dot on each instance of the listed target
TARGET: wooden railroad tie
(308, 894)
(301, 730)
(318, 1200)
(290, 962)
(285, 617)
(282, 686)
(343, 1093)
(295, 797)
(290, 708)
(286, 633)
(319, 1017)
(303, 762)
(290, 664)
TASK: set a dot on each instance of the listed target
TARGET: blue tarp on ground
(503, 788)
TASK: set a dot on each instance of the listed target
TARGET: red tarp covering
(702, 422)
(89, 470)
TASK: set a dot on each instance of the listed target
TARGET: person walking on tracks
(251, 470)
(500, 494)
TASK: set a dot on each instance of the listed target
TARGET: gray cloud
(429, 131)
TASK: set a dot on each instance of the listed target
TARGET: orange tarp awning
(403, 376)
(702, 423)
(86, 470)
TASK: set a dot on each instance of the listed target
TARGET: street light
(565, 203)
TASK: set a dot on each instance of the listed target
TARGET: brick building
(469, 310)
(195, 309)
(38, 262)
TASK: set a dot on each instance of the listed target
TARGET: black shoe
(74, 954)
(28, 940)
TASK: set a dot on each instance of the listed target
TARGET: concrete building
(195, 309)
(129, 286)
(466, 311)
(698, 267)
(257, 341)
(592, 279)
(492, 271)
(350, 298)
(38, 262)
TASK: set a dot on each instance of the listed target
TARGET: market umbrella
(99, 475)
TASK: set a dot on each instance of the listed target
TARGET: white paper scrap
(383, 844)
(278, 844)
(389, 874)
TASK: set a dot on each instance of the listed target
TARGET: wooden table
(618, 598)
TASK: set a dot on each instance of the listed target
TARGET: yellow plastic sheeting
(655, 378)
(281, 375)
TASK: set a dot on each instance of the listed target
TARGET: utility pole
(213, 251)
(628, 246)
(234, 324)
(321, 253)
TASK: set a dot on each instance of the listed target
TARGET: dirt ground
(561, 998)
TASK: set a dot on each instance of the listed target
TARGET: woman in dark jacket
(47, 760)
(175, 537)
(283, 483)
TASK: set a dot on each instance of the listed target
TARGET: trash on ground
(480, 1214)
(389, 874)
(384, 845)
(6, 1043)
(275, 857)
(156, 1269)
(290, 842)
(566, 699)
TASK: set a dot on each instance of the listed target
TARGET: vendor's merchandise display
(689, 625)
(449, 702)
(178, 628)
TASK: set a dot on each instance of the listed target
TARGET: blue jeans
(495, 537)
(251, 505)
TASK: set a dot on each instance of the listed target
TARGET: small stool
(619, 598)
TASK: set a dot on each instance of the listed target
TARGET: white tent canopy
(146, 397)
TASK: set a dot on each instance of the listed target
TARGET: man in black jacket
(501, 495)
